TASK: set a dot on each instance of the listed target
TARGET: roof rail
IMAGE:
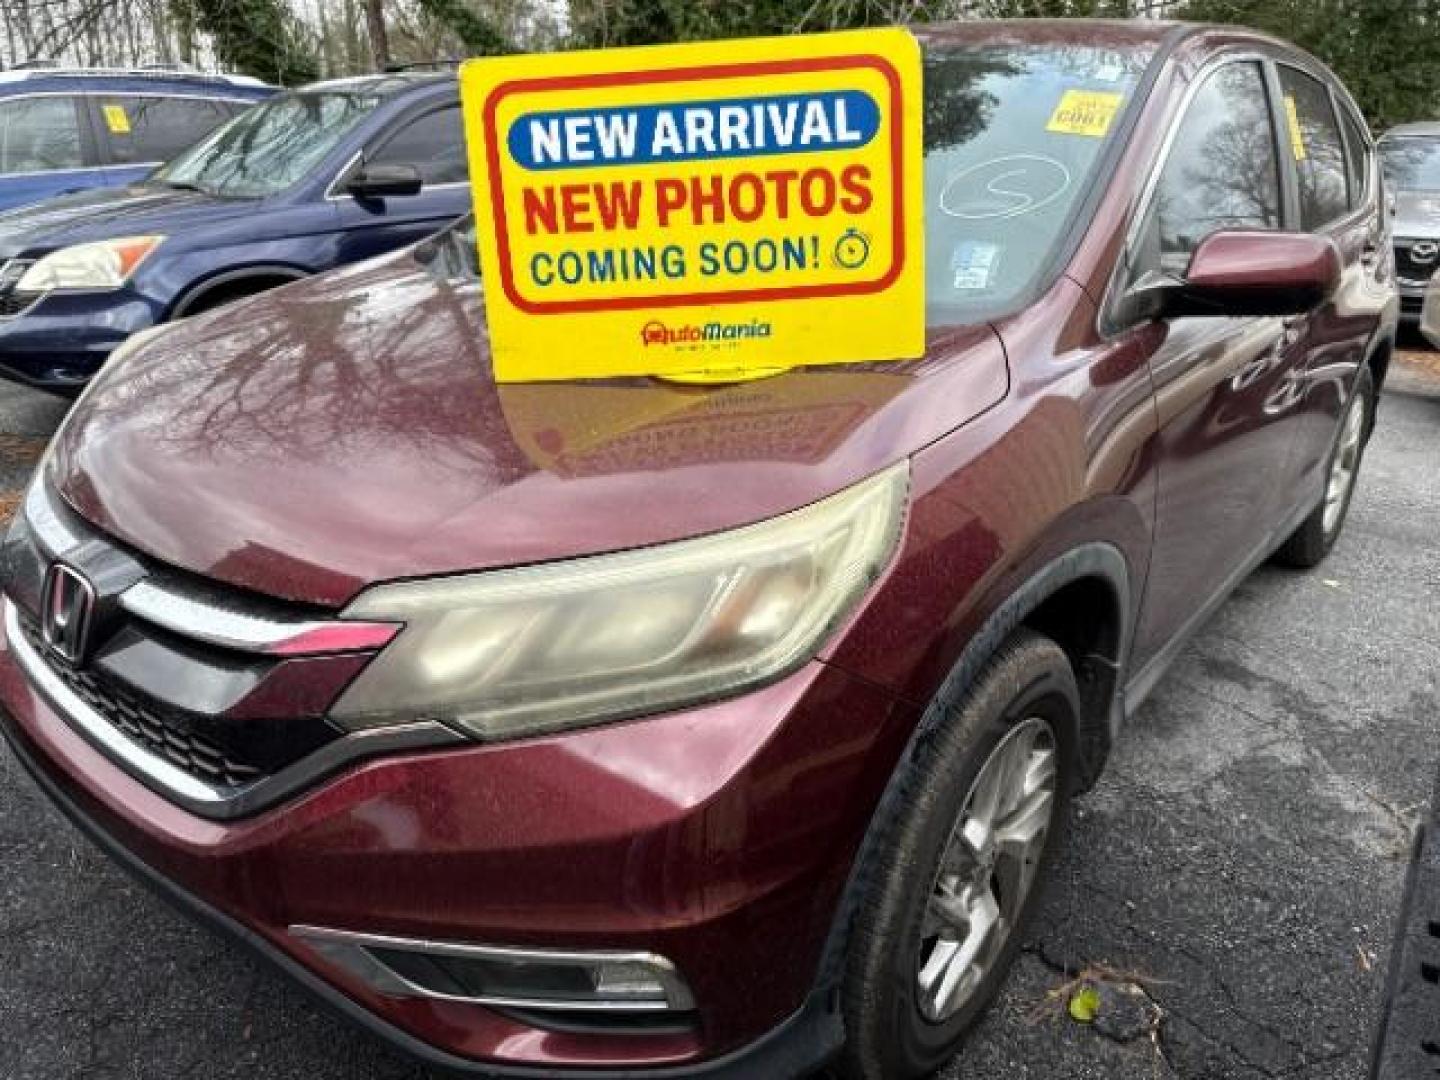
(424, 65)
(49, 69)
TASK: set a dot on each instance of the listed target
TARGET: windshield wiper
(182, 185)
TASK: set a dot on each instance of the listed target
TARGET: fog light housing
(532, 979)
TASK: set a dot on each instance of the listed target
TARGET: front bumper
(64, 338)
(720, 837)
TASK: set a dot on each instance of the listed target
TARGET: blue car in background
(307, 180)
(68, 129)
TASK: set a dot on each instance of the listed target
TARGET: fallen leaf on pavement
(1084, 1004)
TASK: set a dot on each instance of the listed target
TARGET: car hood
(106, 213)
(346, 430)
(1417, 214)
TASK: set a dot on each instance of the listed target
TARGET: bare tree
(379, 42)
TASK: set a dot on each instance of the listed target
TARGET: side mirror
(378, 181)
(1238, 272)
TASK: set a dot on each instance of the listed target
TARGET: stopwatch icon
(852, 249)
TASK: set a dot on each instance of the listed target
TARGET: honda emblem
(67, 607)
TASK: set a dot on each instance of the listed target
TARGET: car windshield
(1411, 164)
(269, 146)
(1014, 132)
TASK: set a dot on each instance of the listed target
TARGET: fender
(198, 290)
(1090, 560)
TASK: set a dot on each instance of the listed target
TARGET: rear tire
(956, 868)
(1308, 545)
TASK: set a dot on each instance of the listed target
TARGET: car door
(1223, 443)
(45, 149)
(138, 132)
(434, 143)
(1333, 168)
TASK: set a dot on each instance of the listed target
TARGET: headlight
(106, 264)
(517, 652)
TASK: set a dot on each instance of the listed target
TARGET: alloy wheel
(987, 869)
(1345, 464)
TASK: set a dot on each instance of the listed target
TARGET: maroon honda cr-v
(634, 728)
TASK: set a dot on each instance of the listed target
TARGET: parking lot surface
(1230, 886)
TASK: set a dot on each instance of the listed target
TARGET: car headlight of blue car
(106, 264)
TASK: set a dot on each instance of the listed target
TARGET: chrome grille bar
(229, 628)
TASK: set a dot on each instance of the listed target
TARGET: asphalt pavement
(1229, 891)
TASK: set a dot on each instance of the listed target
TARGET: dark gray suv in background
(1410, 154)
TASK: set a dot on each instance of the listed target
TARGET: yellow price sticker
(117, 120)
(1085, 112)
(1297, 137)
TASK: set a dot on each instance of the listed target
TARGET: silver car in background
(1410, 155)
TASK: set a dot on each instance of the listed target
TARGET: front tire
(981, 806)
(1308, 545)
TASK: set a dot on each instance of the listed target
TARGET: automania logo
(656, 332)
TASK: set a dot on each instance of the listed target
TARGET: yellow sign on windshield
(1085, 112)
(709, 211)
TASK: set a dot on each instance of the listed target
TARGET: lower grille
(164, 735)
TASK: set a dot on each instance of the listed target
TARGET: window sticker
(974, 263)
(116, 119)
(1292, 121)
(1085, 112)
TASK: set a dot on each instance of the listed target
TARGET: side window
(433, 143)
(1357, 157)
(1314, 137)
(39, 134)
(1222, 172)
(144, 129)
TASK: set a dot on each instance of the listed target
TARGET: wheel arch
(195, 293)
(1088, 617)
(1080, 599)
